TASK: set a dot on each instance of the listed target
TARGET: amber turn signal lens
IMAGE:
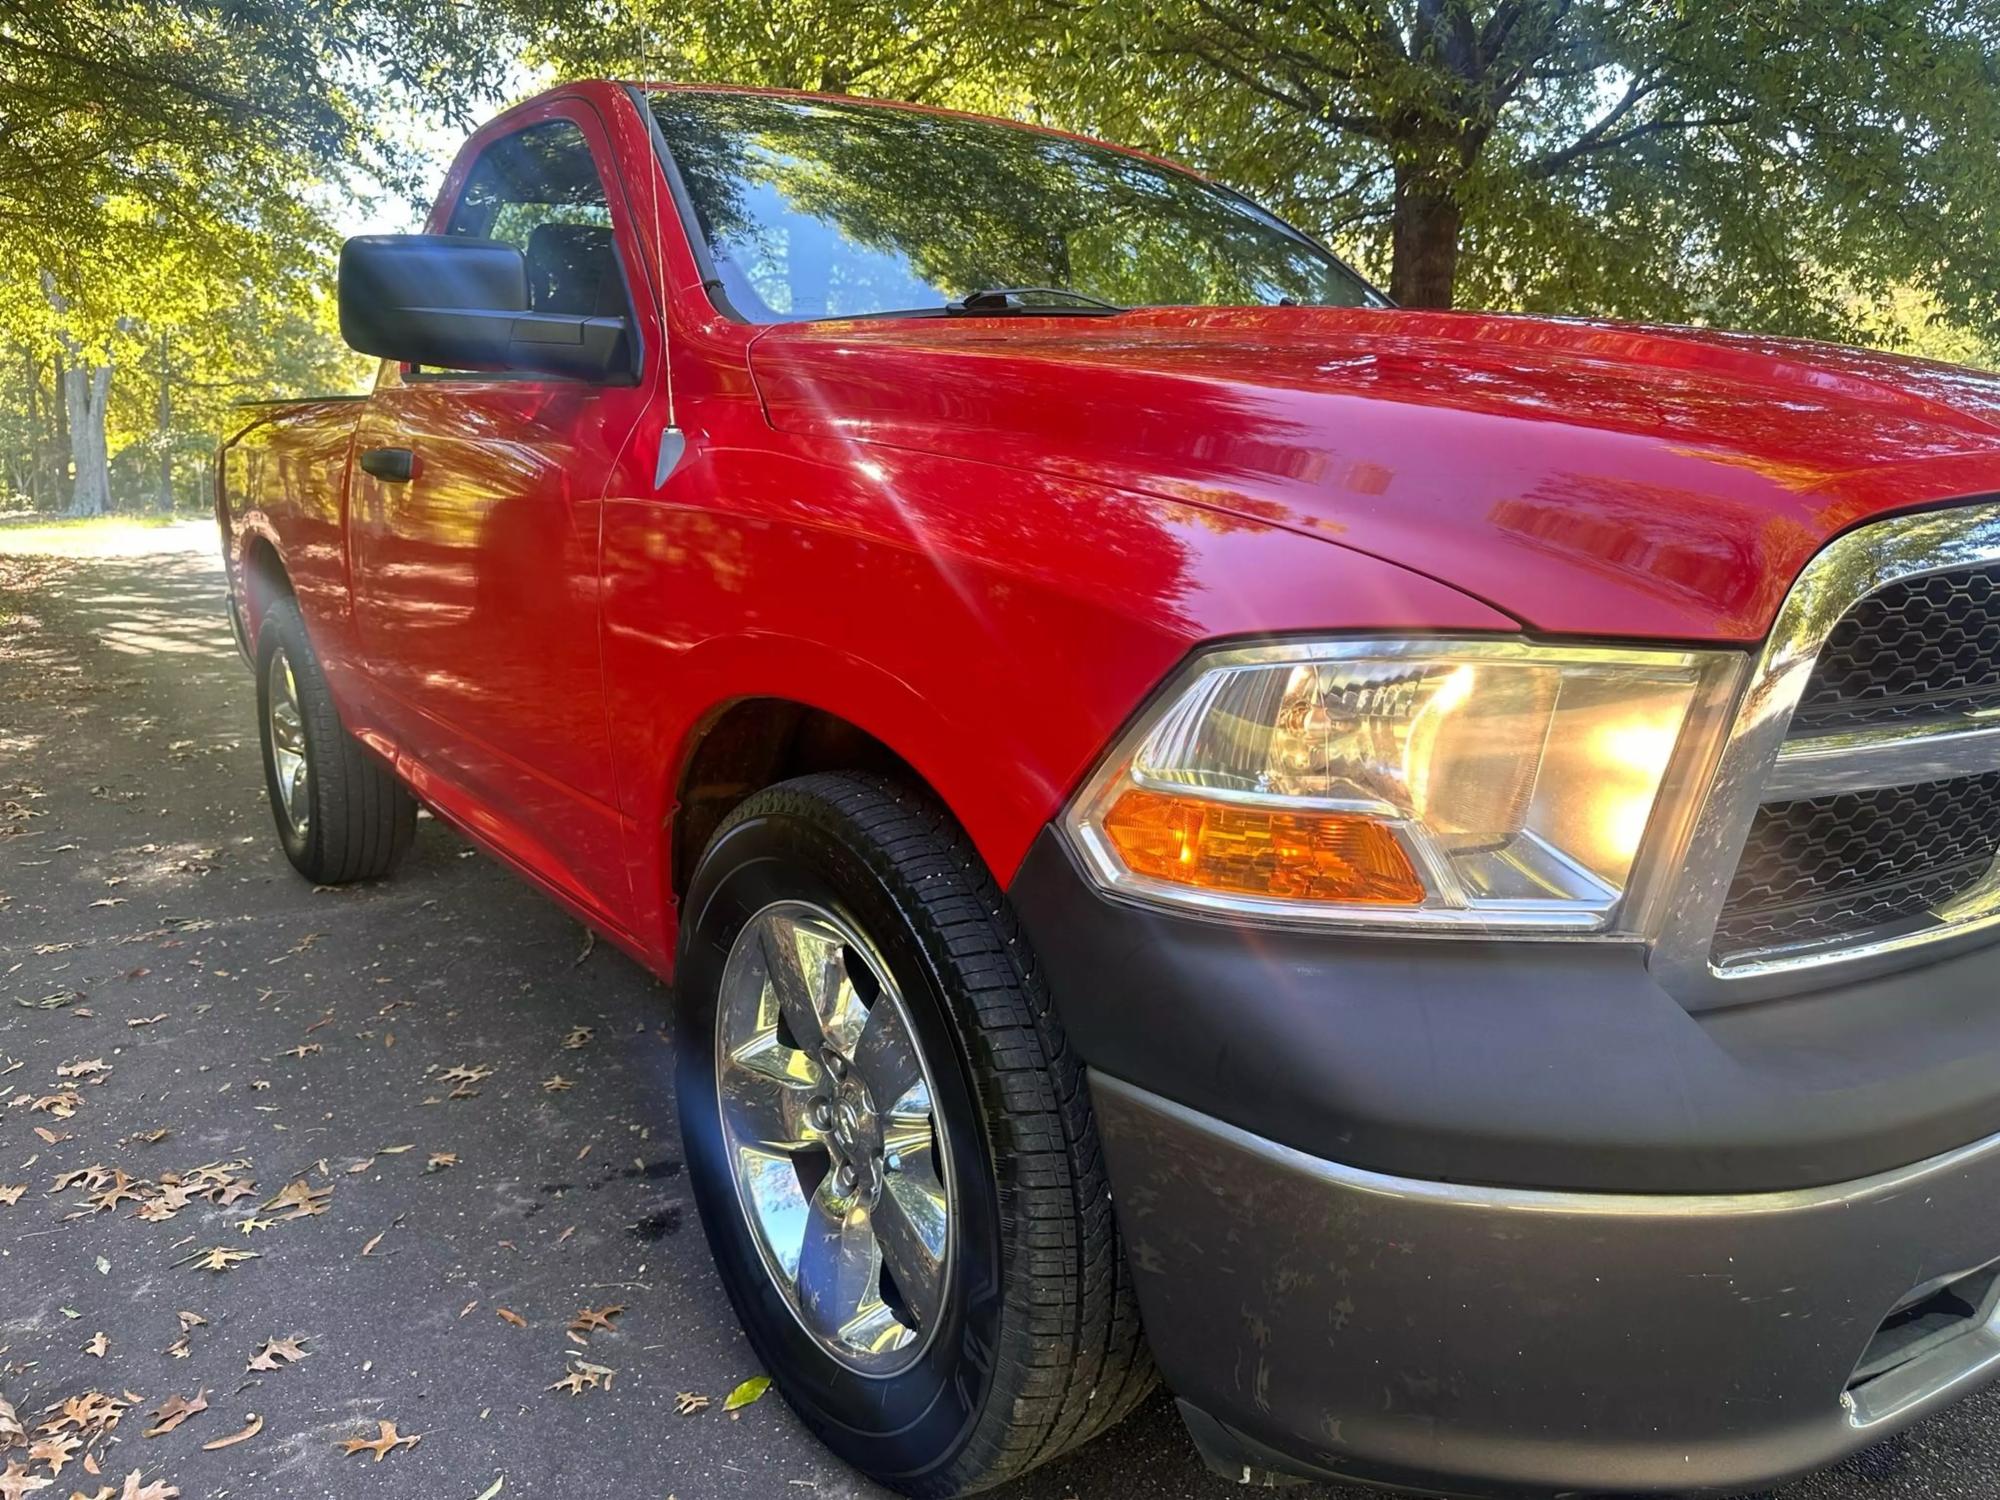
(1254, 851)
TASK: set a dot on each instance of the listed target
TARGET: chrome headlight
(1484, 785)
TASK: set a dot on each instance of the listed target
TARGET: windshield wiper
(1013, 299)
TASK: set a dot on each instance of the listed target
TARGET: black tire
(361, 819)
(1038, 1346)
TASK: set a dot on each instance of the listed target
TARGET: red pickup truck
(1444, 863)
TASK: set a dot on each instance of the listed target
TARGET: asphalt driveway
(428, 1123)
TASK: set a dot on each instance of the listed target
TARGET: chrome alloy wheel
(291, 767)
(835, 1149)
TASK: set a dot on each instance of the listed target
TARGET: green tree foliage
(163, 162)
(1826, 167)
(208, 110)
(1783, 166)
(921, 50)
(1749, 164)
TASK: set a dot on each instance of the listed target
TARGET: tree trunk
(38, 453)
(1424, 239)
(89, 449)
(166, 431)
(59, 435)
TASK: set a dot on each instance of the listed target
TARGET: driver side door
(476, 576)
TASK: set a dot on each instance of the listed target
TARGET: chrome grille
(1915, 649)
(1825, 869)
(1852, 825)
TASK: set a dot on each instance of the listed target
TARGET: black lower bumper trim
(1560, 1065)
(1488, 1341)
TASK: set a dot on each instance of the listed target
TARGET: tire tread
(1072, 1359)
(363, 817)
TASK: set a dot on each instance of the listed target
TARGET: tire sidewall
(904, 1425)
(282, 627)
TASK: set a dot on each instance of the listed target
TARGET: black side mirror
(462, 304)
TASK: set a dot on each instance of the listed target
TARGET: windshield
(822, 210)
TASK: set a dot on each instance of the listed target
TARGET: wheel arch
(749, 709)
(264, 579)
(743, 745)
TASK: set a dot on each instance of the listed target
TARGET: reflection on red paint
(985, 542)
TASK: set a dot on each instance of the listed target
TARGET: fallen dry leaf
(191, 1321)
(303, 1199)
(98, 1346)
(441, 1160)
(55, 1451)
(16, 1481)
(256, 1426)
(121, 1188)
(276, 1352)
(159, 1489)
(555, 1083)
(579, 1037)
(512, 1317)
(92, 1414)
(9, 1196)
(592, 1319)
(687, 1403)
(369, 1248)
(385, 1442)
(584, 1376)
(220, 1259)
(11, 1430)
(176, 1410)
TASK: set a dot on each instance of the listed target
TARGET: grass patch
(104, 536)
(38, 521)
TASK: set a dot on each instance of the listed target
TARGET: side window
(540, 191)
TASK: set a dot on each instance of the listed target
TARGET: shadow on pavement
(487, 1095)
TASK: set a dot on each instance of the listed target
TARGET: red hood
(1584, 477)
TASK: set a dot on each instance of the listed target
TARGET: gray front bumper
(1342, 1322)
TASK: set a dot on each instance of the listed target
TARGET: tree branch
(1552, 164)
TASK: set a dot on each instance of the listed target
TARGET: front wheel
(341, 814)
(892, 1145)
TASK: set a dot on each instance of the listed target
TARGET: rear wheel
(892, 1145)
(341, 813)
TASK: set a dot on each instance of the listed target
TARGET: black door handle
(391, 465)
